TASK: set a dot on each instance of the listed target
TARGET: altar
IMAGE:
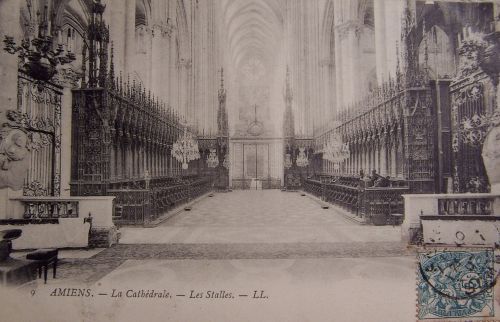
(256, 184)
(256, 164)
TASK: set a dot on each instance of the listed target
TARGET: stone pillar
(157, 61)
(380, 41)
(9, 26)
(115, 15)
(66, 120)
(184, 85)
(348, 70)
(143, 64)
(392, 18)
(338, 72)
(129, 31)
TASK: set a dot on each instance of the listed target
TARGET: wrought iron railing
(351, 194)
(381, 202)
(141, 202)
(131, 206)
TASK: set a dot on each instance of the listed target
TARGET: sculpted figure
(13, 158)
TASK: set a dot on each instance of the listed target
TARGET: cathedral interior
(141, 132)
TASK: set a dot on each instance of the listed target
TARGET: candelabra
(302, 159)
(288, 161)
(336, 151)
(185, 149)
(39, 56)
(212, 160)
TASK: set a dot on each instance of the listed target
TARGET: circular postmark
(456, 283)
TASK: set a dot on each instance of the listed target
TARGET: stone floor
(312, 264)
(266, 216)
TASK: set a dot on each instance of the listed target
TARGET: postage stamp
(455, 284)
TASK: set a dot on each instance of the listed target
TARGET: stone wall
(102, 237)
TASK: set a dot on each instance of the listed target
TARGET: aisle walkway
(266, 216)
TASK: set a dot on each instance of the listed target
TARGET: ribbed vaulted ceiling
(254, 28)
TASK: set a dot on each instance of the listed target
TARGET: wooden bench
(45, 257)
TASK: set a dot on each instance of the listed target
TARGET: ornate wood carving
(30, 138)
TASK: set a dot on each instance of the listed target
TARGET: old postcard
(249, 160)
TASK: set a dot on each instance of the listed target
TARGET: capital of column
(345, 28)
(184, 63)
(326, 62)
(163, 28)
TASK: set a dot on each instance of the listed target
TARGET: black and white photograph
(249, 160)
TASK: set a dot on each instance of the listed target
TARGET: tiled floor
(268, 216)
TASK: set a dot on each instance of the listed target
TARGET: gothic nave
(253, 160)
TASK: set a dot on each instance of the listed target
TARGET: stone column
(129, 32)
(66, 120)
(115, 15)
(9, 26)
(338, 72)
(380, 41)
(393, 11)
(161, 53)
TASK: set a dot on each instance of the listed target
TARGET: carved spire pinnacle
(112, 67)
(288, 88)
(222, 90)
(222, 121)
(288, 119)
(222, 78)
